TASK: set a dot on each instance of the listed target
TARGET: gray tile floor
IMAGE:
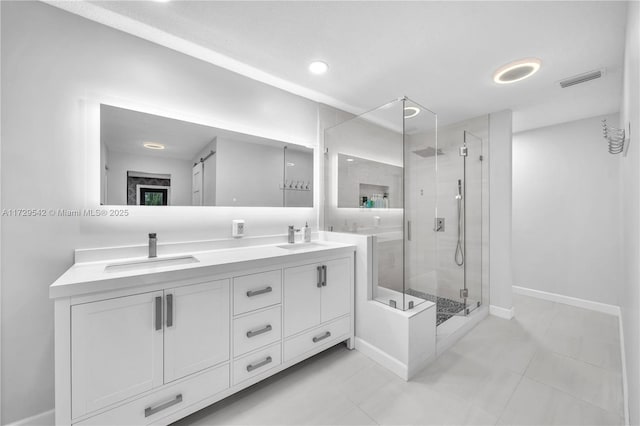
(551, 365)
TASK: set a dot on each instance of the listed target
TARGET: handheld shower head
(459, 195)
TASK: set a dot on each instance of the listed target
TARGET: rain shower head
(428, 152)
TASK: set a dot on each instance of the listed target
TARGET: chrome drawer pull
(319, 282)
(150, 411)
(324, 336)
(252, 293)
(262, 363)
(253, 333)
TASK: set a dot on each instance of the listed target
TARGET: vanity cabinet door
(196, 325)
(336, 289)
(302, 291)
(116, 350)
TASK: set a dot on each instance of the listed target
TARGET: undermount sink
(155, 262)
(299, 246)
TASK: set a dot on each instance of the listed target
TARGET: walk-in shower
(392, 173)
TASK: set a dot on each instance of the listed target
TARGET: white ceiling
(441, 54)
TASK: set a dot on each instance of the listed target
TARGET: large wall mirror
(147, 159)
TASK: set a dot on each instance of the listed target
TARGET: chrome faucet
(292, 234)
(153, 245)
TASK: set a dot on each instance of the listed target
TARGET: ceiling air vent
(582, 78)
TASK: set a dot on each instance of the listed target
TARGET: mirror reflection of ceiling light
(318, 67)
(410, 112)
(517, 70)
(153, 145)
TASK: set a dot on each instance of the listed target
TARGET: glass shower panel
(364, 191)
(459, 204)
(421, 157)
(473, 178)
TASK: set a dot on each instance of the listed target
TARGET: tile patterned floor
(551, 365)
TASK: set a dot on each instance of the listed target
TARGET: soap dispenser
(307, 233)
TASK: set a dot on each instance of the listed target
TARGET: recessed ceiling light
(350, 159)
(318, 67)
(517, 70)
(290, 164)
(153, 145)
(410, 112)
(162, 1)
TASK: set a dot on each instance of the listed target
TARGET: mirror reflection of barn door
(209, 181)
(196, 184)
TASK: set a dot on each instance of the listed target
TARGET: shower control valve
(438, 224)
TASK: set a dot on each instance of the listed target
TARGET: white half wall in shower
(404, 342)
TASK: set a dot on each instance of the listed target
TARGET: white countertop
(90, 277)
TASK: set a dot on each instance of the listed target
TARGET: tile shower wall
(51, 61)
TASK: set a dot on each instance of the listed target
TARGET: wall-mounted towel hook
(615, 137)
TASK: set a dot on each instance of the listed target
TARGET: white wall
(500, 219)
(51, 61)
(630, 293)
(120, 163)
(566, 211)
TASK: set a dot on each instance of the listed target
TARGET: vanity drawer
(165, 401)
(256, 330)
(256, 363)
(255, 291)
(317, 338)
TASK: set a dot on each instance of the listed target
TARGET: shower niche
(422, 177)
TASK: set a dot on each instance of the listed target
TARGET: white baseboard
(568, 300)
(625, 385)
(594, 306)
(382, 358)
(499, 312)
(47, 418)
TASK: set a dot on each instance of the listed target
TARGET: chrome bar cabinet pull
(252, 293)
(324, 275)
(169, 310)
(150, 411)
(262, 363)
(319, 338)
(158, 313)
(253, 333)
